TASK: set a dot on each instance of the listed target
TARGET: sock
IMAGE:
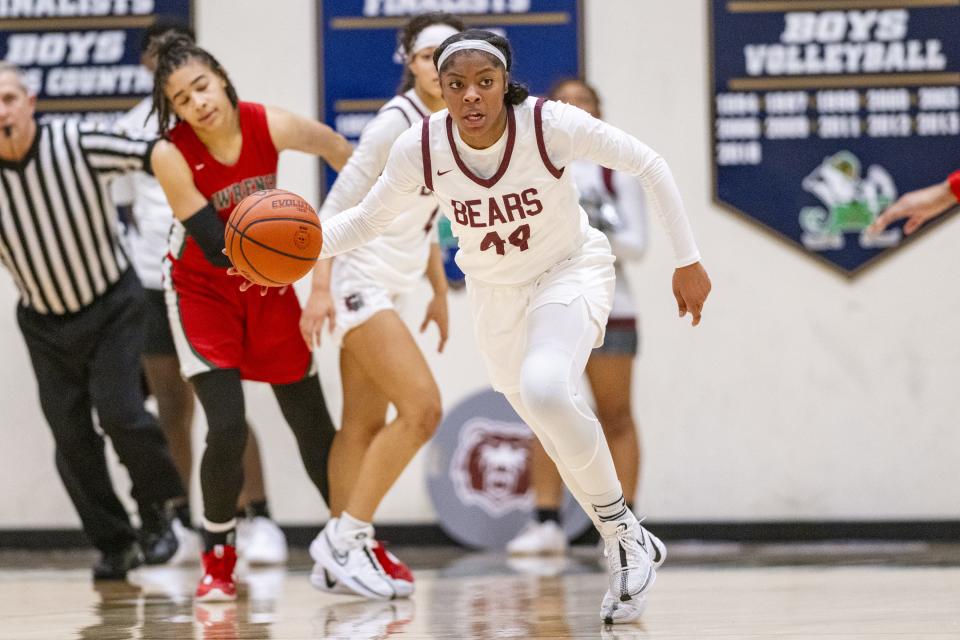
(216, 533)
(258, 509)
(610, 511)
(548, 515)
(349, 523)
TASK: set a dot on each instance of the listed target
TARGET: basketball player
(539, 278)
(614, 204)
(380, 364)
(920, 206)
(219, 151)
(260, 540)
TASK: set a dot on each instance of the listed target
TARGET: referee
(81, 315)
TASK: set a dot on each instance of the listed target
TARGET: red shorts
(216, 326)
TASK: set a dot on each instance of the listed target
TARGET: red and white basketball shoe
(398, 572)
(218, 584)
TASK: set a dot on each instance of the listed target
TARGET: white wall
(802, 394)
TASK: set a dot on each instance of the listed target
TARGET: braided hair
(516, 93)
(173, 51)
(407, 37)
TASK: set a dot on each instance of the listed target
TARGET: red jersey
(225, 185)
(214, 324)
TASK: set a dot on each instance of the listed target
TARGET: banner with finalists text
(83, 56)
(825, 111)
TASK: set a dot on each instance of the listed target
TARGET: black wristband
(207, 229)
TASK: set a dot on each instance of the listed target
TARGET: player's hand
(319, 307)
(691, 286)
(437, 312)
(918, 207)
(246, 284)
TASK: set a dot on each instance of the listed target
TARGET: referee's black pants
(91, 360)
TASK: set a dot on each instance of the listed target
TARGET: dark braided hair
(516, 92)
(173, 51)
(407, 37)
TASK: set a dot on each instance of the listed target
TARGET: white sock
(348, 523)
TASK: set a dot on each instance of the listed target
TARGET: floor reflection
(486, 595)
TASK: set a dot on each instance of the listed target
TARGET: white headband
(432, 36)
(475, 45)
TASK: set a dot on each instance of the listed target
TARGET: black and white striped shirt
(59, 231)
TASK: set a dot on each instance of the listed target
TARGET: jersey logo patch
(442, 173)
(353, 302)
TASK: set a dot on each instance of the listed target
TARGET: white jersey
(512, 206)
(397, 259)
(151, 211)
(615, 204)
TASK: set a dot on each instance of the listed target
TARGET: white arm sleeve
(396, 191)
(571, 133)
(366, 163)
(629, 240)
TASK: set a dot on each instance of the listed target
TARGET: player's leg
(610, 376)
(221, 477)
(559, 340)
(364, 415)
(387, 354)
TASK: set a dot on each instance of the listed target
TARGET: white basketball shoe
(261, 542)
(348, 556)
(539, 538)
(189, 547)
(630, 551)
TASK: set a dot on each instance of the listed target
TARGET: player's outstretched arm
(290, 131)
(920, 206)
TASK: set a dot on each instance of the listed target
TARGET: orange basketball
(273, 237)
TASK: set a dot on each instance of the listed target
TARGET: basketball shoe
(114, 565)
(399, 573)
(217, 584)
(349, 557)
(260, 541)
(189, 548)
(630, 551)
(539, 538)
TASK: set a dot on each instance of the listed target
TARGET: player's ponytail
(173, 51)
(407, 38)
(516, 92)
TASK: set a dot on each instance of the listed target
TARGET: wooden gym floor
(821, 591)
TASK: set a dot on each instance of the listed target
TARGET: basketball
(273, 237)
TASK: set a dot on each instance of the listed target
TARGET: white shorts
(356, 300)
(500, 312)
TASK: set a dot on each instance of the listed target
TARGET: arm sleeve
(114, 149)
(571, 133)
(366, 163)
(397, 189)
(629, 240)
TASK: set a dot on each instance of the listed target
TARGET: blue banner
(825, 111)
(83, 56)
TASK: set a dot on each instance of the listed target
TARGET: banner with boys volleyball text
(83, 56)
(825, 111)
